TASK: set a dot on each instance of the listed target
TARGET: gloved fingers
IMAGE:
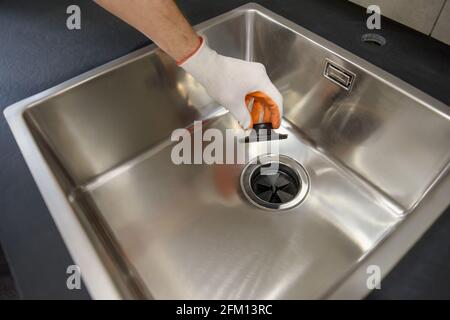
(248, 99)
(276, 96)
(242, 114)
(273, 111)
(271, 97)
(267, 115)
(275, 118)
(257, 111)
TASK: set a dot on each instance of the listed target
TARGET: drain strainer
(274, 182)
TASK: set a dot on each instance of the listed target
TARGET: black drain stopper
(275, 186)
(264, 132)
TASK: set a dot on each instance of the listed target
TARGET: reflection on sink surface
(183, 224)
(373, 155)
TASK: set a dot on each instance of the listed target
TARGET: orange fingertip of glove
(256, 112)
(263, 103)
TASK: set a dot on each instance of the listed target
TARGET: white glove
(229, 80)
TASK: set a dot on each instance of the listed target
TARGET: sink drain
(274, 182)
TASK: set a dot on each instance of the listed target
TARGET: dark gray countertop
(37, 52)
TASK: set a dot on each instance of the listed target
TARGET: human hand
(233, 83)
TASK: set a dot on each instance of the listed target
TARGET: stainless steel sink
(374, 150)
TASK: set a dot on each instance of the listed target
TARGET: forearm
(160, 20)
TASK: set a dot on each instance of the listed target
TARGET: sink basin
(372, 150)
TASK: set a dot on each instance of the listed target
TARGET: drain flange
(274, 182)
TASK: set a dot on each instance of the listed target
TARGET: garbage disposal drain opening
(275, 186)
(274, 182)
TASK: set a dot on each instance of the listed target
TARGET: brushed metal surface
(140, 226)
